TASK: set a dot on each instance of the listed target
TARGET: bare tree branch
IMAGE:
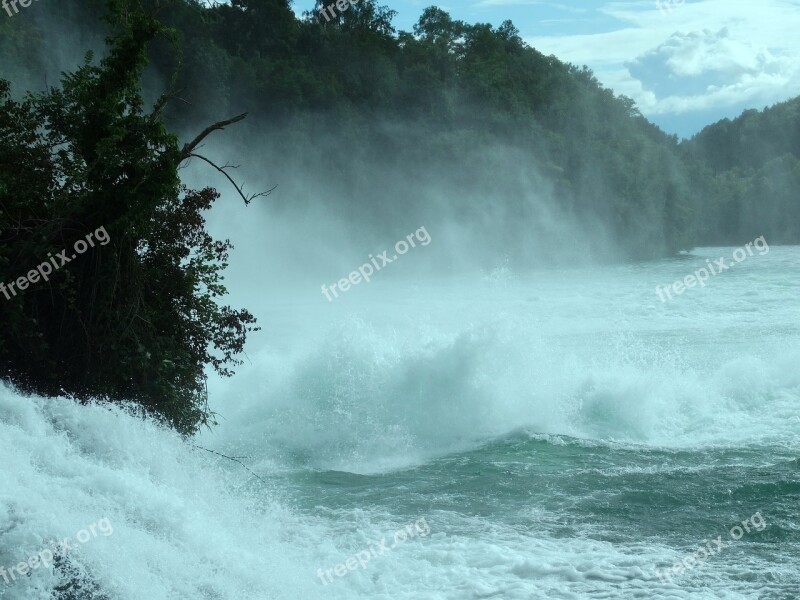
(235, 459)
(247, 199)
(189, 148)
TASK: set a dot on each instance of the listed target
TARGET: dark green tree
(136, 316)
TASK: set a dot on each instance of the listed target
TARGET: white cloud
(695, 57)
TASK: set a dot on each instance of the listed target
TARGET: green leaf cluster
(135, 318)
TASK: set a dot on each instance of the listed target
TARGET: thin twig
(247, 199)
(235, 459)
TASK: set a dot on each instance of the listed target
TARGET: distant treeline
(751, 169)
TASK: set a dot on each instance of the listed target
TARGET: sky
(686, 63)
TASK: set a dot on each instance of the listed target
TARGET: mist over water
(414, 364)
(596, 413)
(563, 431)
(552, 387)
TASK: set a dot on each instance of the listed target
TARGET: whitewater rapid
(500, 407)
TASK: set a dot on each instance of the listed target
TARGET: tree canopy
(134, 317)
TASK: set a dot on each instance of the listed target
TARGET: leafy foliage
(135, 318)
(751, 171)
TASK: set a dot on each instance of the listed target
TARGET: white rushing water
(342, 406)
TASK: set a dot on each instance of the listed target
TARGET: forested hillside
(752, 164)
(466, 112)
(450, 117)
